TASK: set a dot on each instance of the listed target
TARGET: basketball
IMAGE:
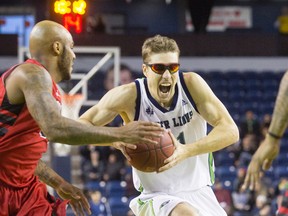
(149, 158)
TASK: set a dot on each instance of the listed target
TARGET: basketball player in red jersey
(30, 103)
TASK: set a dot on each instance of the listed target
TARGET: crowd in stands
(104, 166)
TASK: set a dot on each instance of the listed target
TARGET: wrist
(273, 135)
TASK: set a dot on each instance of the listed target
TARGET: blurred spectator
(97, 203)
(266, 120)
(282, 21)
(126, 173)
(224, 197)
(126, 76)
(265, 187)
(282, 25)
(242, 201)
(91, 165)
(249, 125)
(262, 206)
(113, 168)
(130, 213)
(248, 146)
(264, 126)
(95, 24)
(241, 172)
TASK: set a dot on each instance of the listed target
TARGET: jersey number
(181, 138)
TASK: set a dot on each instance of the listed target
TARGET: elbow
(53, 134)
(234, 134)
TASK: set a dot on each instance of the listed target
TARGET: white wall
(189, 64)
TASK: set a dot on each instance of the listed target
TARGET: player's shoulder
(191, 77)
(126, 90)
(29, 73)
(30, 70)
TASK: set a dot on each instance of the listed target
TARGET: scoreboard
(72, 13)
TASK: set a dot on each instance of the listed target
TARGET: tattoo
(280, 114)
(47, 175)
(46, 112)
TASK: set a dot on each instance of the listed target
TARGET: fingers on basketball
(149, 158)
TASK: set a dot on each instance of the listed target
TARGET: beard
(64, 65)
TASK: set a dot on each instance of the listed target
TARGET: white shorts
(161, 204)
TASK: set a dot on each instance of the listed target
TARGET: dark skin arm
(66, 191)
(32, 84)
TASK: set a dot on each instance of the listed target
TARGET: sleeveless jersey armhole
(181, 77)
(138, 101)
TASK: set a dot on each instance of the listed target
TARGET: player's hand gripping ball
(149, 158)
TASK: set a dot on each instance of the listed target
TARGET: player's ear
(57, 48)
(145, 69)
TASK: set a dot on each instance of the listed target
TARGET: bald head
(44, 34)
(52, 45)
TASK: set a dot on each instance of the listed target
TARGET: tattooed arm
(279, 121)
(32, 85)
(66, 191)
(269, 148)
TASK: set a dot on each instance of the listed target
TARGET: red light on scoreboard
(73, 21)
(72, 12)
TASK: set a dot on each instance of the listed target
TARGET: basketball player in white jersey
(184, 104)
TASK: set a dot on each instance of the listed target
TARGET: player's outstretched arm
(66, 191)
(119, 101)
(269, 148)
(36, 87)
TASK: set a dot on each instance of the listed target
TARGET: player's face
(66, 60)
(162, 72)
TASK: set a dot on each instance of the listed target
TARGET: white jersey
(187, 126)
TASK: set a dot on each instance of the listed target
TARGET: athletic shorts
(30, 201)
(160, 204)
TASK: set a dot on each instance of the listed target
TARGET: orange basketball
(149, 157)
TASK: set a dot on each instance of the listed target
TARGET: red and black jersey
(21, 142)
(283, 208)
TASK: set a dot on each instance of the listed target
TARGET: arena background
(242, 42)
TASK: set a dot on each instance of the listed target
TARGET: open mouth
(165, 87)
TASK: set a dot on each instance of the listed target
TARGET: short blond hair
(158, 44)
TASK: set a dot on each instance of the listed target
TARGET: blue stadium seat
(282, 159)
(116, 188)
(119, 206)
(96, 185)
(254, 95)
(226, 173)
(281, 171)
(234, 75)
(250, 74)
(271, 173)
(224, 158)
(228, 184)
(235, 85)
(270, 85)
(236, 95)
(284, 145)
